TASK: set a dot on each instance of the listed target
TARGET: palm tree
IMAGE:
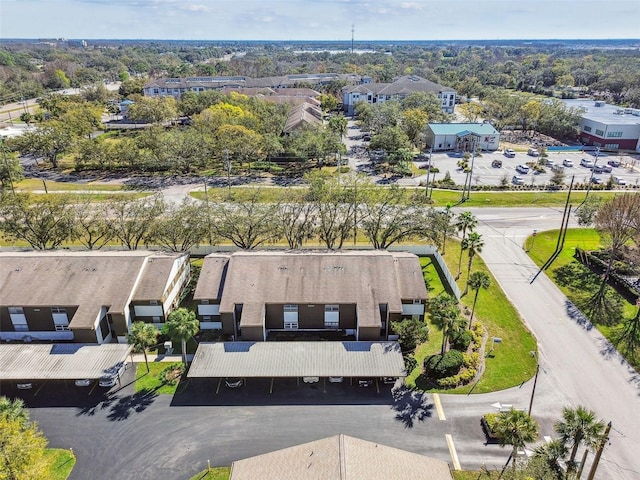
(551, 453)
(182, 324)
(444, 312)
(578, 425)
(465, 221)
(13, 410)
(477, 280)
(142, 336)
(515, 428)
(473, 243)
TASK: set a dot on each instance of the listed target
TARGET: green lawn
(31, 184)
(575, 289)
(61, 463)
(439, 198)
(152, 381)
(511, 362)
(466, 475)
(215, 473)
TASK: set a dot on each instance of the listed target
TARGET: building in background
(461, 137)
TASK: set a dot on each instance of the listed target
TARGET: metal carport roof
(298, 359)
(59, 361)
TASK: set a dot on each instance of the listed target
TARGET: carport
(69, 361)
(297, 360)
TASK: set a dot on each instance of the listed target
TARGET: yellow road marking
(452, 452)
(439, 409)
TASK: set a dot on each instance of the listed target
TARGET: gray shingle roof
(59, 361)
(298, 359)
(340, 458)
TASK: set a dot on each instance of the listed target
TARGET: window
(599, 132)
(612, 146)
(153, 302)
(62, 328)
(587, 128)
(16, 310)
(204, 302)
(332, 308)
(614, 134)
(58, 310)
(156, 320)
(290, 325)
(291, 308)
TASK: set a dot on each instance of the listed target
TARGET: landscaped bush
(172, 373)
(441, 366)
(462, 340)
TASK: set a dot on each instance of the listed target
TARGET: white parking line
(436, 400)
(452, 452)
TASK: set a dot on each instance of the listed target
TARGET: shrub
(462, 340)
(172, 373)
(471, 360)
(441, 366)
(410, 363)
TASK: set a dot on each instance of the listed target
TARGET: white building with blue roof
(461, 137)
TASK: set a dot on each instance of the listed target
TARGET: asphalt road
(147, 436)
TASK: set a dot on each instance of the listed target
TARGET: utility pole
(426, 191)
(533, 392)
(352, 31)
(596, 460)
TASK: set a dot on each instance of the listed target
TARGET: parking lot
(485, 174)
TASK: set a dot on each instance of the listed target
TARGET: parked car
(567, 162)
(389, 380)
(550, 163)
(112, 375)
(585, 162)
(517, 180)
(598, 169)
(496, 164)
(557, 168)
(233, 382)
(533, 152)
(596, 180)
(509, 153)
(83, 382)
(614, 163)
(365, 382)
(522, 169)
(336, 379)
(619, 181)
(24, 386)
(607, 168)
(108, 381)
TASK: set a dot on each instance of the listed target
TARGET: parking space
(625, 167)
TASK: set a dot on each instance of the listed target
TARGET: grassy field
(439, 198)
(31, 184)
(215, 473)
(511, 362)
(151, 381)
(61, 462)
(542, 248)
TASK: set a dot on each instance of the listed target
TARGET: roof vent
(282, 268)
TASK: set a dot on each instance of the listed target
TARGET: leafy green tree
(92, 227)
(142, 336)
(328, 102)
(295, 219)
(153, 109)
(49, 141)
(13, 409)
(515, 428)
(132, 220)
(473, 244)
(181, 227)
(414, 122)
(390, 139)
(579, 426)
(470, 111)
(628, 335)
(11, 172)
(386, 219)
(247, 224)
(182, 324)
(440, 226)
(44, 222)
(411, 332)
(477, 280)
(338, 125)
(551, 454)
(587, 210)
(465, 221)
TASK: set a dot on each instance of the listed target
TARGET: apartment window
(206, 318)
(156, 320)
(204, 302)
(614, 134)
(16, 310)
(331, 316)
(612, 146)
(62, 328)
(291, 308)
(587, 128)
(599, 132)
(290, 325)
(58, 310)
(153, 302)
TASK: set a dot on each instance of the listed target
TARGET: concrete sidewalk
(139, 358)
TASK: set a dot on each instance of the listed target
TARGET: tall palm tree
(465, 221)
(578, 426)
(551, 453)
(477, 280)
(473, 243)
(515, 428)
(13, 410)
(444, 312)
(182, 324)
(142, 336)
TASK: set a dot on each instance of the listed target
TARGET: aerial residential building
(252, 294)
(397, 90)
(86, 297)
(461, 137)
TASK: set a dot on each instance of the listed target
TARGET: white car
(111, 376)
(24, 386)
(233, 382)
(619, 181)
(83, 382)
(567, 163)
(522, 169)
(509, 153)
(517, 180)
(585, 162)
(550, 163)
(533, 152)
(108, 381)
(336, 379)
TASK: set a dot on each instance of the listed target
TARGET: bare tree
(180, 227)
(91, 227)
(296, 219)
(132, 220)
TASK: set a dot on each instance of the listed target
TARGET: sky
(320, 19)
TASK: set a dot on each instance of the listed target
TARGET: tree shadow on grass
(121, 408)
(411, 406)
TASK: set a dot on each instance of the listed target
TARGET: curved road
(578, 367)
